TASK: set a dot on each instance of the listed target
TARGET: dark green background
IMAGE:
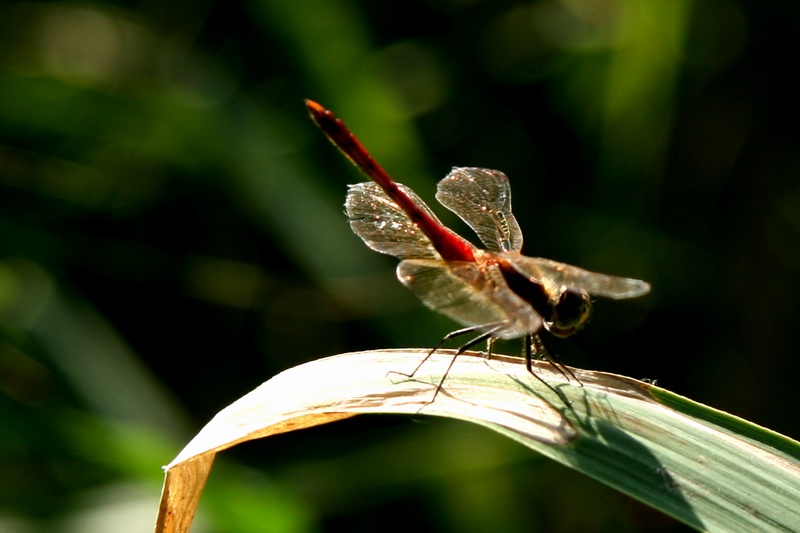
(172, 235)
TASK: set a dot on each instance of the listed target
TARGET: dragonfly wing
(384, 226)
(549, 272)
(471, 294)
(482, 198)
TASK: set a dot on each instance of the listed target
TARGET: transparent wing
(384, 226)
(482, 198)
(547, 271)
(471, 294)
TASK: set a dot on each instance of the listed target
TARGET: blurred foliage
(171, 235)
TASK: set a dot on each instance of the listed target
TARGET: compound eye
(570, 313)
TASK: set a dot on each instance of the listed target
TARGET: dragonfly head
(570, 310)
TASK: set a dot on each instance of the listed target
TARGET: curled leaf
(706, 468)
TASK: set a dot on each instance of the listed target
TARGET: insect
(497, 292)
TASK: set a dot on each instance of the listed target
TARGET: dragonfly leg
(489, 346)
(535, 345)
(529, 341)
(463, 348)
(451, 335)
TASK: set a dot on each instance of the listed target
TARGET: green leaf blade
(704, 467)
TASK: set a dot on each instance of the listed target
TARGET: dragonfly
(495, 292)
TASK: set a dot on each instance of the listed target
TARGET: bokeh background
(172, 235)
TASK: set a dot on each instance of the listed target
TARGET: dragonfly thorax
(564, 310)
